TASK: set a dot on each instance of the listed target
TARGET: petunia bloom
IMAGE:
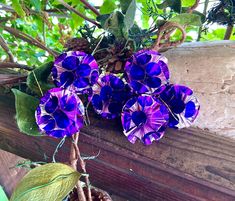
(144, 118)
(75, 69)
(183, 105)
(60, 113)
(110, 93)
(147, 72)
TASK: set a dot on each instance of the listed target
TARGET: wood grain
(185, 165)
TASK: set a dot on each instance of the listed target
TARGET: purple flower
(147, 72)
(145, 118)
(60, 113)
(110, 93)
(76, 69)
(183, 105)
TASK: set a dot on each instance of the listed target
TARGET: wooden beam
(185, 165)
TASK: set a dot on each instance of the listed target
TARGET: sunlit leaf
(108, 7)
(187, 19)
(188, 3)
(18, 8)
(50, 182)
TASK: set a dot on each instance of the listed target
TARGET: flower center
(139, 117)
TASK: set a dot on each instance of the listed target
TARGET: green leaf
(17, 7)
(187, 19)
(36, 4)
(124, 4)
(41, 73)
(129, 18)
(108, 7)
(50, 182)
(3, 196)
(203, 17)
(25, 113)
(188, 3)
(102, 19)
(174, 5)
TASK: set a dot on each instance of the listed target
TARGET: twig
(89, 6)
(164, 32)
(73, 162)
(28, 39)
(228, 32)
(14, 65)
(6, 48)
(83, 166)
(78, 13)
(194, 6)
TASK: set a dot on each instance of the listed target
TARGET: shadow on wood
(185, 165)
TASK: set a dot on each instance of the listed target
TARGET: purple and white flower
(147, 72)
(60, 113)
(77, 70)
(110, 93)
(144, 118)
(183, 105)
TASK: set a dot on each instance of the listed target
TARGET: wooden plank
(185, 165)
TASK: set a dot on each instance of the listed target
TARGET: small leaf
(36, 4)
(25, 113)
(129, 18)
(174, 5)
(187, 19)
(188, 3)
(3, 196)
(108, 7)
(42, 73)
(124, 4)
(50, 182)
(17, 7)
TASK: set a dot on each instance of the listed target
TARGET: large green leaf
(108, 7)
(17, 7)
(3, 196)
(41, 73)
(129, 18)
(187, 19)
(25, 113)
(50, 182)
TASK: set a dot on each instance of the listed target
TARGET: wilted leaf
(41, 73)
(108, 7)
(50, 182)
(17, 7)
(3, 196)
(129, 18)
(187, 19)
(25, 113)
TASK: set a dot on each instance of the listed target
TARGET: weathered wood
(185, 165)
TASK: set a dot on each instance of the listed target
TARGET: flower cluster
(142, 97)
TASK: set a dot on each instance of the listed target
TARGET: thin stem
(14, 65)
(40, 89)
(28, 39)
(78, 13)
(57, 149)
(73, 162)
(204, 12)
(94, 51)
(6, 48)
(83, 166)
(228, 32)
(89, 6)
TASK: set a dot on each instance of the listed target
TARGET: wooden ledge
(185, 165)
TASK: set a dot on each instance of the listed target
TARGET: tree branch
(12, 80)
(6, 48)
(28, 39)
(194, 6)
(228, 32)
(78, 13)
(89, 6)
(14, 65)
